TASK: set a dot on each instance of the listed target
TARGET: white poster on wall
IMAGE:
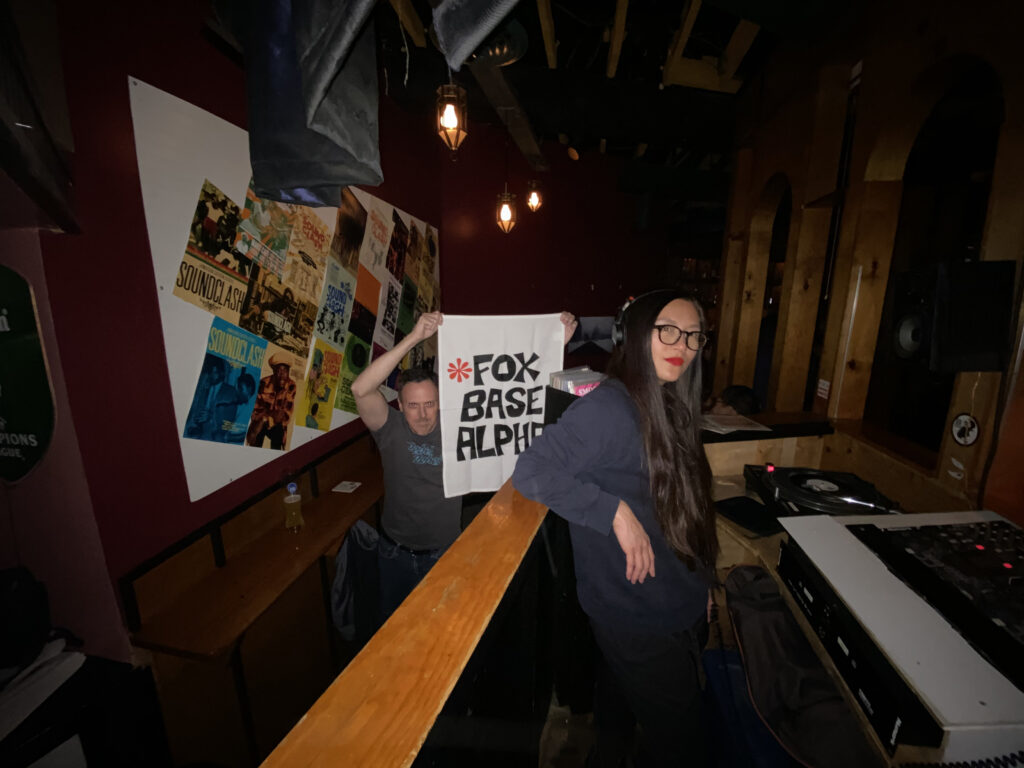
(492, 372)
(262, 270)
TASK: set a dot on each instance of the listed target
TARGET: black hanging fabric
(461, 25)
(311, 80)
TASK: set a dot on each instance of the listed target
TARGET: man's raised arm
(370, 403)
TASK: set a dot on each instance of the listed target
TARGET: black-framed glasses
(670, 334)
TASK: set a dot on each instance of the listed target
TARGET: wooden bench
(198, 600)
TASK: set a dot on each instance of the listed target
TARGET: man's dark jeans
(400, 571)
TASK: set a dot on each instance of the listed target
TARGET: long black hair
(670, 423)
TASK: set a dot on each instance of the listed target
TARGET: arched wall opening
(945, 188)
(762, 287)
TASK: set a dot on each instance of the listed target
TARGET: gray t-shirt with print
(416, 513)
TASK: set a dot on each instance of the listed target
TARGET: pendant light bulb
(449, 118)
(451, 115)
(506, 211)
(533, 198)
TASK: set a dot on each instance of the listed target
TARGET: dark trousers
(649, 680)
(275, 433)
(400, 571)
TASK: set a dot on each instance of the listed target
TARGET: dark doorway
(772, 296)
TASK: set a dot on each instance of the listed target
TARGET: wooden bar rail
(379, 711)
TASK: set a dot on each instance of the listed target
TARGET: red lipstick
(674, 360)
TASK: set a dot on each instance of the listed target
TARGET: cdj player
(802, 491)
(923, 616)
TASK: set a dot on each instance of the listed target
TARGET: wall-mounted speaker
(956, 316)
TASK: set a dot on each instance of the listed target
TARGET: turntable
(788, 491)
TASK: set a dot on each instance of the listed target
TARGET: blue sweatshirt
(579, 468)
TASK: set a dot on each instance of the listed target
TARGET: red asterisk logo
(459, 370)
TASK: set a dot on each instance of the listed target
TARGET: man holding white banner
(422, 514)
(493, 371)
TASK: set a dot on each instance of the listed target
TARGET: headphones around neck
(619, 324)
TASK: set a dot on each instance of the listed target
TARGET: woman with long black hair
(624, 465)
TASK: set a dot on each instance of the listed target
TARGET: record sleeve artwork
(302, 299)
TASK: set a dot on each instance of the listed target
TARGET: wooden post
(734, 250)
(801, 290)
(876, 232)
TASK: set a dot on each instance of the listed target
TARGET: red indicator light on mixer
(769, 467)
(1007, 565)
(979, 546)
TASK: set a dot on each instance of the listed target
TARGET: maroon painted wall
(578, 253)
(48, 524)
(102, 284)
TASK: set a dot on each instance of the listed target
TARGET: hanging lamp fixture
(533, 197)
(506, 210)
(506, 215)
(451, 114)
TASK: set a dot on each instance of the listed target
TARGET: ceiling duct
(507, 45)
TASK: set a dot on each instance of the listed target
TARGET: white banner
(492, 372)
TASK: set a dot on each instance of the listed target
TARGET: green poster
(26, 399)
(357, 357)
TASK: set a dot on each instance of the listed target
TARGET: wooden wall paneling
(287, 663)
(345, 463)
(838, 292)
(727, 459)
(201, 715)
(805, 268)
(287, 659)
(748, 325)
(911, 488)
(1003, 237)
(245, 527)
(876, 232)
(735, 248)
(1004, 486)
(779, 352)
(799, 310)
(960, 467)
(734, 548)
(1003, 240)
(159, 587)
(830, 105)
(259, 518)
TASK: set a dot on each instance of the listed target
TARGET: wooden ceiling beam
(618, 35)
(679, 40)
(547, 27)
(410, 21)
(740, 42)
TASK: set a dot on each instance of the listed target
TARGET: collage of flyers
(298, 310)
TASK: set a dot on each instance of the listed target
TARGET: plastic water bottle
(293, 509)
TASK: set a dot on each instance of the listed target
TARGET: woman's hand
(635, 543)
